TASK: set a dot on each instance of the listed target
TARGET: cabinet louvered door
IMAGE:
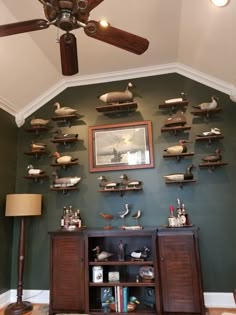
(67, 273)
(180, 273)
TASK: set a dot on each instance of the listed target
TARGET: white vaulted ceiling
(190, 37)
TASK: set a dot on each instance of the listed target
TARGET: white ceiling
(190, 37)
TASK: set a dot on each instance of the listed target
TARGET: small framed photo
(113, 276)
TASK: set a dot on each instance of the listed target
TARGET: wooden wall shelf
(175, 129)
(67, 119)
(64, 190)
(37, 129)
(64, 141)
(174, 105)
(64, 165)
(122, 191)
(117, 108)
(178, 156)
(180, 183)
(36, 153)
(37, 177)
(212, 165)
(209, 139)
(205, 112)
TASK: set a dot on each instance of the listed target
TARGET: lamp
(21, 205)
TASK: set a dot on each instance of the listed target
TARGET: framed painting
(121, 146)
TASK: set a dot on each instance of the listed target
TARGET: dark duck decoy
(101, 255)
(34, 171)
(141, 254)
(208, 105)
(129, 183)
(177, 119)
(217, 157)
(132, 304)
(106, 184)
(118, 97)
(179, 148)
(181, 176)
(59, 135)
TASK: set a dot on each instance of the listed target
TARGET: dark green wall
(210, 202)
(8, 141)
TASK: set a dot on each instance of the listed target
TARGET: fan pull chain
(58, 38)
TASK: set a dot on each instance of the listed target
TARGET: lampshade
(23, 205)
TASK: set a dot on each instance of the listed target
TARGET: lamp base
(18, 308)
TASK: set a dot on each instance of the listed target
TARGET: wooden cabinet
(180, 271)
(67, 272)
(173, 259)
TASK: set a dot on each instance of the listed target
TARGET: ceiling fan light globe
(220, 3)
(104, 23)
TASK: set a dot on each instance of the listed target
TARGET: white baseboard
(212, 299)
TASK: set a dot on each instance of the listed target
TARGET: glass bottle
(185, 214)
(79, 218)
(171, 218)
(121, 251)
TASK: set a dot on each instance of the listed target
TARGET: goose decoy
(101, 255)
(63, 111)
(64, 158)
(129, 183)
(177, 119)
(38, 146)
(123, 214)
(132, 304)
(176, 100)
(212, 132)
(34, 171)
(181, 176)
(179, 148)
(39, 122)
(64, 181)
(136, 216)
(140, 254)
(107, 185)
(208, 105)
(214, 157)
(108, 217)
(59, 135)
(118, 97)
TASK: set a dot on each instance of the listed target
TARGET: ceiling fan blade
(93, 4)
(23, 27)
(69, 57)
(116, 37)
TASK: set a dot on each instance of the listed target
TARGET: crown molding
(179, 68)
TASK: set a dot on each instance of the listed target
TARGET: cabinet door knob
(162, 258)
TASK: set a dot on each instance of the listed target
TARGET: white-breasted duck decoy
(212, 132)
(38, 146)
(141, 254)
(59, 135)
(123, 214)
(177, 119)
(34, 171)
(125, 182)
(131, 307)
(179, 148)
(107, 184)
(213, 157)
(64, 181)
(101, 255)
(176, 100)
(39, 122)
(208, 105)
(118, 97)
(64, 158)
(64, 111)
(188, 175)
(136, 216)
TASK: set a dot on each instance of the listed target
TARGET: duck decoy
(101, 255)
(34, 171)
(177, 119)
(108, 217)
(107, 185)
(126, 183)
(131, 307)
(64, 158)
(63, 111)
(179, 148)
(217, 157)
(141, 254)
(123, 214)
(136, 216)
(181, 176)
(208, 105)
(118, 97)
(64, 181)
(39, 122)
(37, 146)
(176, 100)
(212, 132)
(59, 135)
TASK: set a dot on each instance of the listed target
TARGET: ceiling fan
(69, 15)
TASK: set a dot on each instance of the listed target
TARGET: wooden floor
(42, 309)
